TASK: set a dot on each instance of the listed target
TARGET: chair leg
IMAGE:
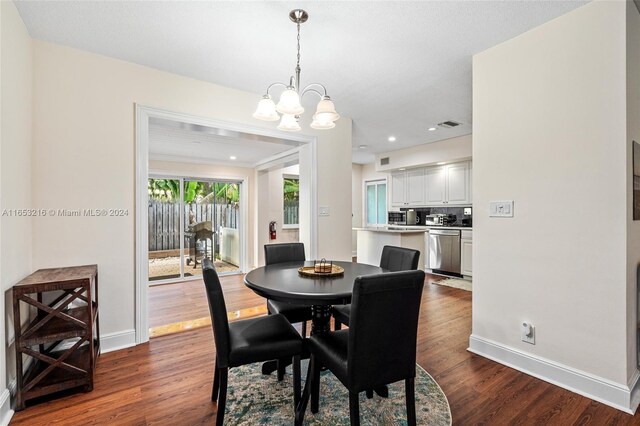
(304, 400)
(216, 382)
(369, 393)
(411, 401)
(304, 328)
(315, 385)
(354, 409)
(296, 381)
(282, 365)
(222, 398)
(337, 325)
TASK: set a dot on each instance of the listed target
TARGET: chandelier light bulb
(289, 123)
(266, 110)
(289, 102)
(326, 111)
(322, 125)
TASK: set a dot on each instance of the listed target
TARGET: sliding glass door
(190, 220)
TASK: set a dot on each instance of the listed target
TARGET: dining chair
(378, 349)
(393, 259)
(246, 341)
(280, 253)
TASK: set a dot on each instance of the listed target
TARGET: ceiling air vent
(384, 161)
(449, 124)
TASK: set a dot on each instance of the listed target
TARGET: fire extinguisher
(272, 230)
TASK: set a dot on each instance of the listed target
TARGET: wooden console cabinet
(61, 343)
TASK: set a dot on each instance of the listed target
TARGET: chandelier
(289, 104)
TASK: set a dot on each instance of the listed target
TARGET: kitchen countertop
(401, 229)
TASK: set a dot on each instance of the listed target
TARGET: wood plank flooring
(168, 381)
(185, 301)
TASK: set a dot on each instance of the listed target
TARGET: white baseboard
(6, 413)
(119, 340)
(622, 397)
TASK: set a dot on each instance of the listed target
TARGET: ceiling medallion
(289, 104)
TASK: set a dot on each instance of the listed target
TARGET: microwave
(397, 218)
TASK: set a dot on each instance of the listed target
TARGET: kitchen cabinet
(408, 188)
(448, 185)
(466, 248)
(436, 183)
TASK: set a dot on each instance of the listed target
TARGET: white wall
(633, 134)
(83, 157)
(356, 204)
(171, 168)
(449, 150)
(15, 171)
(549, 132)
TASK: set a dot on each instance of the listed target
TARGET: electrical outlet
(528, 332)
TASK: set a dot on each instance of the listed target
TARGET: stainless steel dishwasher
(444, 250)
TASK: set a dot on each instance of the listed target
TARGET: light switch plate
(323, 211)
(501, 209)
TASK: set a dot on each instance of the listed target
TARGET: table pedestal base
(321, 318)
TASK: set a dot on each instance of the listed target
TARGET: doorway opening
(199, 196)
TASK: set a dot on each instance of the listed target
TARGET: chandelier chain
(298, 63)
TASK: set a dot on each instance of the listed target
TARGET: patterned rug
(256, 399)
(456, 283)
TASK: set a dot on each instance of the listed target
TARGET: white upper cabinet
(408, 188)
(432, 186)
(436, 186)
(399, 189)
(458, 185)
(415, 187)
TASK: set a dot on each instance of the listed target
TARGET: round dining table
(282, 282)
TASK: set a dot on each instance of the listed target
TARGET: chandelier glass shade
(289, 104)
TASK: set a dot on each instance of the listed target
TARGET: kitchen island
(371, 241)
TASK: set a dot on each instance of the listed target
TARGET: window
(291, 193)
(376, 202)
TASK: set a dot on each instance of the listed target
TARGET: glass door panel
(211, 225)
(164, 229)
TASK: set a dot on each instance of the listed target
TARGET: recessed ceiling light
(233, 157)
(402, 168)
(392, 138)
(442, 163)
(431, 129)
(362, 146)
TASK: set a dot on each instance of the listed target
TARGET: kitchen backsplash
(457, 211)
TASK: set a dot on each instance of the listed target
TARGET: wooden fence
(164, 221)
(291, 211)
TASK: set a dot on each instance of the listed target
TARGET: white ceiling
(396, 68)
(175, 141)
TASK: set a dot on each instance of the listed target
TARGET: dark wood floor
(168, 380)
(186, 300)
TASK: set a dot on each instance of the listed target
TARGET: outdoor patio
(169, 267)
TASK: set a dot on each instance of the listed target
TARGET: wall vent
(449, 124)
(384, 161)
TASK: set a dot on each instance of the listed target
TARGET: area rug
(257, 399)
(455, 283)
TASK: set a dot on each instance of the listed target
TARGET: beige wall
(15, 163)
(549, 132)
(171, 168)
(453, 149)
(83, 157)
(633, 134)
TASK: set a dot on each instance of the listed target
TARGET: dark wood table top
(59, 275)
(283, 283)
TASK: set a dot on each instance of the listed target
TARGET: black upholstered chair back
(383, 329)
(218, 310)
(396, 259)
(285, 252)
